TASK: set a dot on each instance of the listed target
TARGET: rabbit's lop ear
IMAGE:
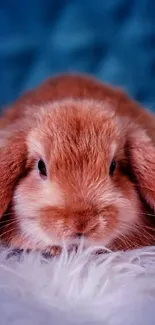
(141, 154)
(13, 159)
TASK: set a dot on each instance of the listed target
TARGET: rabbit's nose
(78, 235)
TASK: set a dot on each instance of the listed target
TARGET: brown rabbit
(77, 160)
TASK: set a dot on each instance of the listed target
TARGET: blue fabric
(112, 39)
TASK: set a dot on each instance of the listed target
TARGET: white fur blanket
(110, 289)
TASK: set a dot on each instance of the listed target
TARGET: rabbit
(77, 161)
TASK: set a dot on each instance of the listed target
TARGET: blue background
(112, 39)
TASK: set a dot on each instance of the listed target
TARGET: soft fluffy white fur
(111, 289)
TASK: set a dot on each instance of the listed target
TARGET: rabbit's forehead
(75, 131)
(79, 145)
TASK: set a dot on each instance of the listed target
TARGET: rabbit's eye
(42, 168)
(112, 167)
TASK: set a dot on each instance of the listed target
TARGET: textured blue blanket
(111, 39)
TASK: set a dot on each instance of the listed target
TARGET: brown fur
(79, 86)
(81, 161)
(12, 163)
